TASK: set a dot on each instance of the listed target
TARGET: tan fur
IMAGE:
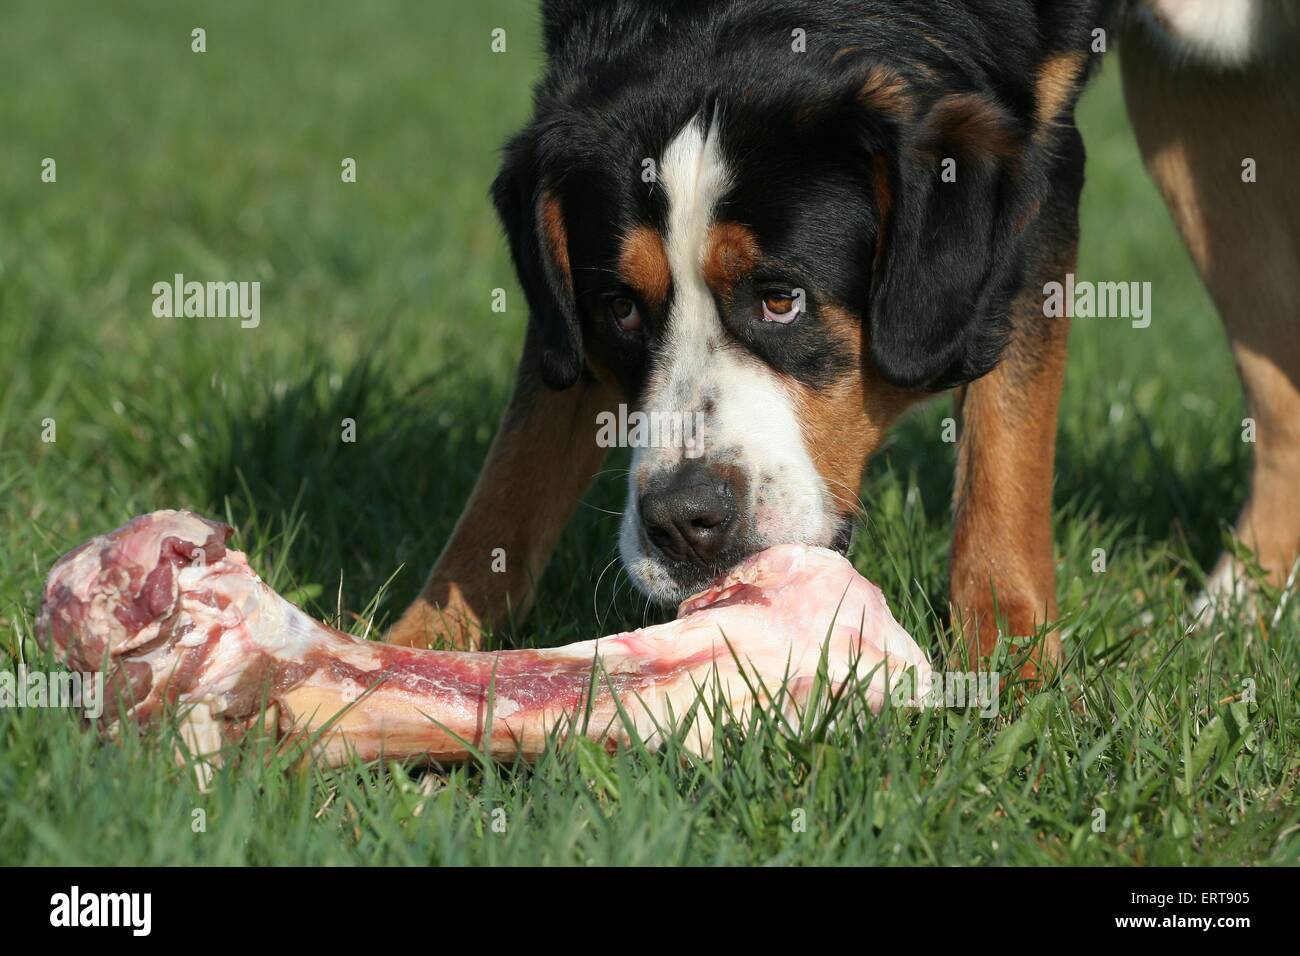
(1058, 77)
(557, 238)
(1002, 534)
(538, 467)
(884, 206)
(643, 265)
(844, 423)
(975, 126)
(886, 91)
(1195, 125)
(730, 252)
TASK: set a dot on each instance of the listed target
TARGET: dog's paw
(980, 622)
(1229, 596)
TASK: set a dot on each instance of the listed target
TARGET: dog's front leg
(1002, 562)
(540, 463)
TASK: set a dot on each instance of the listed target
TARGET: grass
(376, 307)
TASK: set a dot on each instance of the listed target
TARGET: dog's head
(772, 248)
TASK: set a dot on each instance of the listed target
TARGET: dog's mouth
(843, 538)
(676, 581)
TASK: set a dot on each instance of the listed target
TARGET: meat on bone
(175, 618)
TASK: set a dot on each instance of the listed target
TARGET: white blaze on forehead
(694, 177)
(750, 421)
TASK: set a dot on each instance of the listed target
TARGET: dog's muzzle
(690, 516)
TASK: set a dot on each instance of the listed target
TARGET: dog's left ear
(533, 217)
(948, 255)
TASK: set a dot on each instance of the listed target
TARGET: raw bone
(176, 618)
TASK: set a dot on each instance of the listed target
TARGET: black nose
(690, 516)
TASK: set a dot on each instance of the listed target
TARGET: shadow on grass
(356, 510)
(1125, 478)
(366, 473)
(1132, 482)
(326, 508)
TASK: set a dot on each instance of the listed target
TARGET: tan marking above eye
(643, 265)
(730, 252)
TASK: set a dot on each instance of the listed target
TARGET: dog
(797, 219)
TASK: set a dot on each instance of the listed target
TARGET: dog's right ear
(533, 217)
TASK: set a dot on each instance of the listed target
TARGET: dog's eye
(624, 313)
(783, 307)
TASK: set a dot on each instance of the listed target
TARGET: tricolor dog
(791, 220)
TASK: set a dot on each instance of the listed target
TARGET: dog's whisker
(851, 500)
(622, 580)
(854, 498)
(595, 593)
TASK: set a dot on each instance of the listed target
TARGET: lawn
(376, 306)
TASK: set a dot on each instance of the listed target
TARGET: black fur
(518, 192)
(624, 76)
